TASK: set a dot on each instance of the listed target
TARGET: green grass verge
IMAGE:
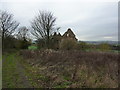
(32, 47)
(10, 76)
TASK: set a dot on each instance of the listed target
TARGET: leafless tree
(7, 24)
(43, 25)
(22, 33)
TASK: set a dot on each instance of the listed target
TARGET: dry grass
(74, 69)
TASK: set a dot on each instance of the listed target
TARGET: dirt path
(24, 82)
(14, 73)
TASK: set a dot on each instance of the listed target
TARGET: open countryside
(43, 55)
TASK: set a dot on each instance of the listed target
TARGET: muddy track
(24, 82)
(14, 74)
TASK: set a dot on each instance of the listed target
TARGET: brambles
(74, 69)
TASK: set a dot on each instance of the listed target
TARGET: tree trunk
(48, 39)
(3, 36)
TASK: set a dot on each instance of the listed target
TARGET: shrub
(82, 46)
(8, 42)
(22, 44)
(104, 47)
(68, 44)
(41, 43)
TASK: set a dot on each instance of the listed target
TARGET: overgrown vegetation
(53, 61)
(72, 69)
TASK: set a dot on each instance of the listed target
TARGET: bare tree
(43, 25)
(23, 38)
(22, 33)
(7, 24)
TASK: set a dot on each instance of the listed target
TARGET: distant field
(32, 47)
(114, 51)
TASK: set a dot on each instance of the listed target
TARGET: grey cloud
(89, 21)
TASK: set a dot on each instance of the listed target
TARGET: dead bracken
(75, 69)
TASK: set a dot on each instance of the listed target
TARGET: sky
(90, 20)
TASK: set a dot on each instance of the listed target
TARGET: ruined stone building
(69, 34)
(57, 38)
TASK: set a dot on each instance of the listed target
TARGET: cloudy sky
(90, 20)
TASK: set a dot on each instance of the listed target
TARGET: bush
(22, 44)
(8, 43)
(68, 44)
(104, 47)
(41, 43)
(82, 46)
